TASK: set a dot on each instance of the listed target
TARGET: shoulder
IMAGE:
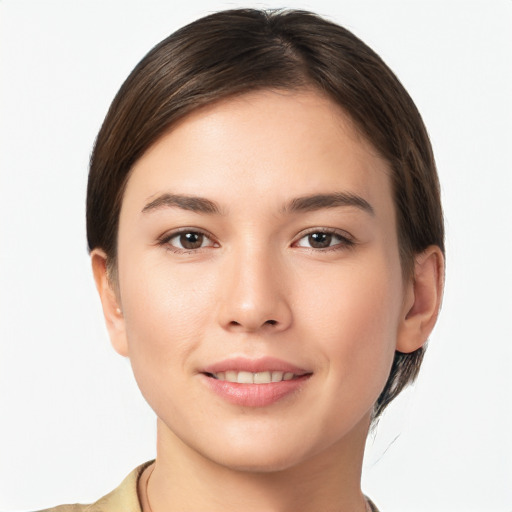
(122, 499)
(67, 508)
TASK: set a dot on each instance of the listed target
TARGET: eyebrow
(332, 200)
(191, 203)
(299, 204)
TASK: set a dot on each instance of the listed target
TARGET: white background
(72, 422)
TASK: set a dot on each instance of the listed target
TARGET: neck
(184, 480)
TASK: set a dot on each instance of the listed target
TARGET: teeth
(262, 378)
(231, 376)
(277, 376)
(254, 378)
(245, 378)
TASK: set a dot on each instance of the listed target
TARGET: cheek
(165, 314)
(165, 317)
(356, 323)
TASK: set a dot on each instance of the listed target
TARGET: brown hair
(237, 51)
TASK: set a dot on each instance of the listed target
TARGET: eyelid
(347, 240)
(169, 235)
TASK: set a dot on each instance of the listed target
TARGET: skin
(256, 287)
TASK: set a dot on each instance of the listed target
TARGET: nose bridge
(255, 293)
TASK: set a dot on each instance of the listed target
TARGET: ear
(422, 300)
(109, 297)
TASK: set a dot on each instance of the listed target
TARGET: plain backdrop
(72, 421)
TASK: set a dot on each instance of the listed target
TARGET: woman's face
(260, 280)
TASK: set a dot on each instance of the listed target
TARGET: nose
(254, 293)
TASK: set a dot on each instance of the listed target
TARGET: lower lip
(255, 395)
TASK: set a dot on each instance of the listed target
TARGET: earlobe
(112, 309)
(422, 300)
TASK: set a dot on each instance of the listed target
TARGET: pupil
(320, 240)
(191, 240)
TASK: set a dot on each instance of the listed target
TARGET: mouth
(244, 377)
(254, 382)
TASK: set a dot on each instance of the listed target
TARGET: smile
(254, 382)
(243, 377)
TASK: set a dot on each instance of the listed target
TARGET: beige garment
(122, 499)
(125, 498)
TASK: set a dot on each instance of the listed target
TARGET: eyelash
(166, 239)
(345, 241)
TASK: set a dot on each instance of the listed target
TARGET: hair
(237, 51)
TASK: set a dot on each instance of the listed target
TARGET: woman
(266, 237)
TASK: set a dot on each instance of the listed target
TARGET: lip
(263, 364)
(254, 395)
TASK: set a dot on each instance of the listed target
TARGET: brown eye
(324, 240)
(189, 241)
(320, 240)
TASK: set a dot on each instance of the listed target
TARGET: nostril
(250, 326)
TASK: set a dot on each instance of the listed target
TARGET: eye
(321, 239)
(188, 240)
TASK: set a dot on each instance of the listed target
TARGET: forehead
(271, 144)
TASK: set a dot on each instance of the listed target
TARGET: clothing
(122, 499)
(125, 498)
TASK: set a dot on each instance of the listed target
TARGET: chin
(263, 451)
(262, 462)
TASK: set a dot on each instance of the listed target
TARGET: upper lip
(263, 364)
